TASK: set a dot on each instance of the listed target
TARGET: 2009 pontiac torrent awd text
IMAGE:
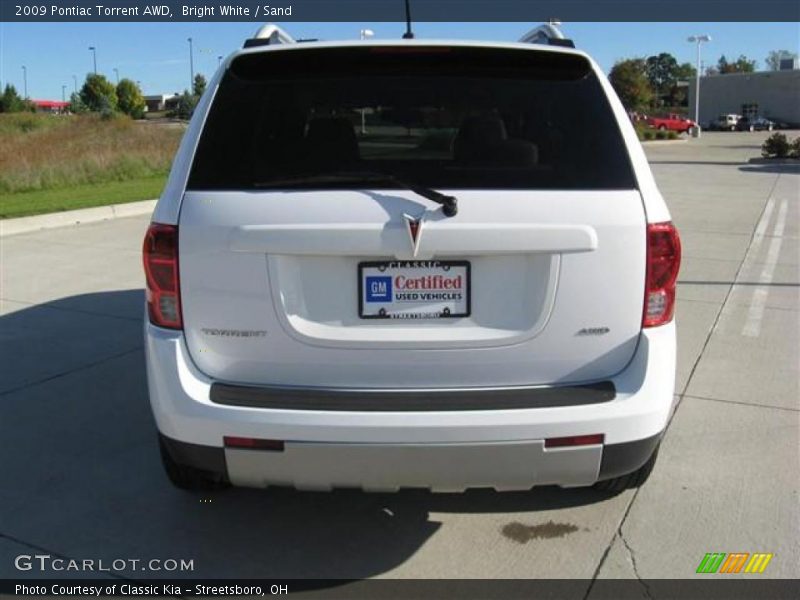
(391, 264)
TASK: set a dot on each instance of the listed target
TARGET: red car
(671, 122)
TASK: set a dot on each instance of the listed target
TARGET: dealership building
(772, 94)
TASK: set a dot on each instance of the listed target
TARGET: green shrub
(776, 146)
(661, 135)
(185, 107)
(649, 134)
(672, 135)
(794, 148)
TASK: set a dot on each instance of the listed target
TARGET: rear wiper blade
(449, 203)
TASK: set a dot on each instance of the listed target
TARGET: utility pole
(698, 39)
(94, 58)
(63, 93)
(75, 83)
(191, 66)
(116, 72)
(25, 81)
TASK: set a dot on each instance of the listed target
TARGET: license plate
(415, 289)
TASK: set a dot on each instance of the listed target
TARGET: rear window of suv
(441, 116)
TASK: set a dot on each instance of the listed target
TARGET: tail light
(161, 270)
(663, 262)
(575, 440)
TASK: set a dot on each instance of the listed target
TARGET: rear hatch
(312, 254)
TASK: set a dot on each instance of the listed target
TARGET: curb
(774, 161)
(660, 142)
(9, 227)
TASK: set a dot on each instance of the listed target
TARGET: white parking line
(752, 327)
(761, 229)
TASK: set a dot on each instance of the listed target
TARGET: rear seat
(484, 141)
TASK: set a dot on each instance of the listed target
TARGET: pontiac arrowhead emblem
(414, 226)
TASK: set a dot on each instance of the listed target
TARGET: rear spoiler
(547, 34)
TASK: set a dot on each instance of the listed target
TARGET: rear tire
(631, 480)
(189, 478)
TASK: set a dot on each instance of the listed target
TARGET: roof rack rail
(547, 34)
(268, 35)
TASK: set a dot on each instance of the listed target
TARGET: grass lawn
(21, 204)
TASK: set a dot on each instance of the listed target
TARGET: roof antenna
(408, 35)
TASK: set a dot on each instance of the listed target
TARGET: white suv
(391, 264)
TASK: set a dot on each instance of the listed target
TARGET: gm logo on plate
(379, 289)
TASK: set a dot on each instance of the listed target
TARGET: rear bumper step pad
(412, 400)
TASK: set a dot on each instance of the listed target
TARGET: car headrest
(486, 130)
(484, 140)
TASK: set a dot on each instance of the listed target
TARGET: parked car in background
(671, 122)
(755, 124)
(726, 122)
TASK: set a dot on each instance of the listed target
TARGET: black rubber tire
(189, 478)
(631, 480)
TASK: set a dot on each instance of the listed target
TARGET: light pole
(365, 34)
(698, 39)
(94, 58)
(25, 81)
(63, 93)
(116, 72)
(75, 83)
(191, 65)
(219, 61)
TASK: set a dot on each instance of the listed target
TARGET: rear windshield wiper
(449, 203)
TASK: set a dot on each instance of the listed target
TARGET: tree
(740, 65)
(685, 71)
(678, 95)
(185, 106)
(661, 73)
(130, 99)
(11, 101)
(98, 93)
(199, 85)
(774, 58)
(629, 78)
(76, 105)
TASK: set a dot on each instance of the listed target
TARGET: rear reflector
(253, 443)
(663, 263)
(160, 254)
(574, 440)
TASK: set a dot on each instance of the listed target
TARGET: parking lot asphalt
(82, 478)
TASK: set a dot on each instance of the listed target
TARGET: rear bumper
(438, 449)
(441, 467)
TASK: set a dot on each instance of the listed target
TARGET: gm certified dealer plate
(416, 289)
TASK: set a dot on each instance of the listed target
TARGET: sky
(157, 54)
